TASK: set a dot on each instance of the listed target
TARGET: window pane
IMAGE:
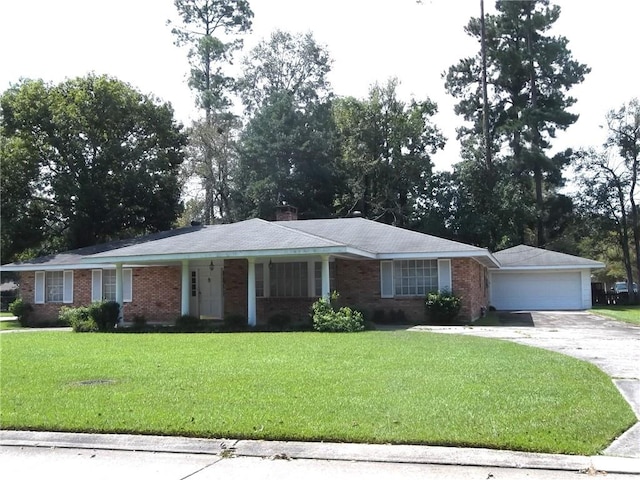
(415, 277)
(289, 279)
(54, 286)
(109, 285)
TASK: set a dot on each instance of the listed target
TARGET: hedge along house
(257, 268)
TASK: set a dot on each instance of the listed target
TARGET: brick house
(257, 268)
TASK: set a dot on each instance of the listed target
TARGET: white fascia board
(489, 259)
(548, 268)
(175, 257)
(54, 267)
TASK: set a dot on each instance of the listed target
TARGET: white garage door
(536, 291)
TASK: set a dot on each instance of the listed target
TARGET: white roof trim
(435, 255)
(175, 257)
(548, 268)
(34, 267)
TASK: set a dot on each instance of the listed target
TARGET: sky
(369, 40)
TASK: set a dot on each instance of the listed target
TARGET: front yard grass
(623, 313)
(375, 387)
(10, 325)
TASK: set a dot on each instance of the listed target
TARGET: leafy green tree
(529, 75)
(286, 156)
(624, 137)
(211, 30)
(211, 157)
(21, 214)
(201, 26)
(286, 63)
(386, 147)
(609, 182)
(94, 160)
(287, 149)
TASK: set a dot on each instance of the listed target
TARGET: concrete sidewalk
(384, 454)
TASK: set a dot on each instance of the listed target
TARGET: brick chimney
(285, 213)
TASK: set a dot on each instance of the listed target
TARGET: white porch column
(251, 293)
(326, 286)
(119, 291)
(184, 303)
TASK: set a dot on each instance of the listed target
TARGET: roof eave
(551, 267)
(32, 267)
(178, 257)
(484, 257)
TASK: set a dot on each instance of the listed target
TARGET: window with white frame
(54, 286)
(288, 279)
(109, 285)
(103, 285)
(317, 275)
(415, 277)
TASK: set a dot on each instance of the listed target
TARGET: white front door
(209, 292)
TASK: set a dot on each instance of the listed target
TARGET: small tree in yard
(326, 319)
(97, 317)
(442, 307)
(21, 309)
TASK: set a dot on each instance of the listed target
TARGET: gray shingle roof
(349, 236)
(377, 238)
(247, 236)
(73, 257)
(526, 256)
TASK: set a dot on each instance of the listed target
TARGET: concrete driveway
(613, 346)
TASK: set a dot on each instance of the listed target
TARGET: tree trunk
(624, 241)
(485, 101)
(635, 227)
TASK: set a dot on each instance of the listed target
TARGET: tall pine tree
(529, 75)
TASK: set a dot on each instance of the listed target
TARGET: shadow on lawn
(515, 319)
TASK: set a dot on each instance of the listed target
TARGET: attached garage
(535, 279)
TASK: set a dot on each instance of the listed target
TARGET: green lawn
(624, 313)
(10, 325)
(6, 314)
(378, 387)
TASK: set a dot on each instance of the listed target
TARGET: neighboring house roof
(524, 257)
(354, 237)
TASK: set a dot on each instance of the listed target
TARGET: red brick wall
(48, 312)
(156, 294)
(234, 287)
(358, 282)
(470, 282)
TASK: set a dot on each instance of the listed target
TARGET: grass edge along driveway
(622, 313)
(373, 387)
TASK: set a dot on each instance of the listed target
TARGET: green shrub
(279, 321)
(379, 316)
(442, 307)
(97, 317)
(188, 324)
(79, 319)
(326, 319)
(105, 314)
(235, 322)
(139, 323)
(22, 310)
